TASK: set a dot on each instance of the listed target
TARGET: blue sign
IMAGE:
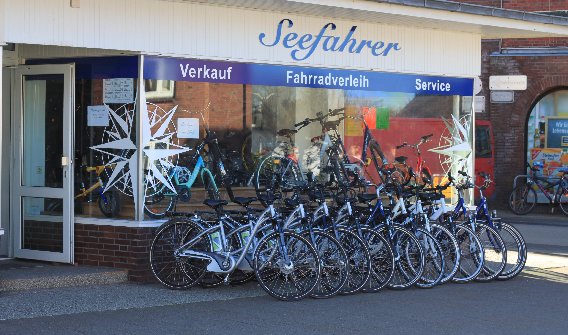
(302, 47)
(557, 132)
(180, 69)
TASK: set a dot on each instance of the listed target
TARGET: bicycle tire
(333, 263)
(433, 260)
(109, 203)
(522, 199)
(157, 205)
(382, 260)
(183, 272)
(270, 266)
(408, 268)
(450, 248)
(359, 264)
(495, 252)
(471, 254)
(516, 251)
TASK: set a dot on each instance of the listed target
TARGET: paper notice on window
(97, 116)
(118, 91)
(188, 128)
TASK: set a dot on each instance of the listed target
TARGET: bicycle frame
(215, 256)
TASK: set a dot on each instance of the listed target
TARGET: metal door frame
(17, 190)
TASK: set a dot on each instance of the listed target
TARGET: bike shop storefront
(93, 195)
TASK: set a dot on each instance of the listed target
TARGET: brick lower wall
(43, 235)
(116, 247)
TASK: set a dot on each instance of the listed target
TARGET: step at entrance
(16, 275)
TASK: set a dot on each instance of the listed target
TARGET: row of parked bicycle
(341, 234)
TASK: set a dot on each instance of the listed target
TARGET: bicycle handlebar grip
(306, 121)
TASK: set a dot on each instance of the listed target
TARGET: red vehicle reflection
(484, 155)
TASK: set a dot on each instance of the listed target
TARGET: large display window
(155, 142)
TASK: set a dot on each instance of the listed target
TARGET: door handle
(65, 161)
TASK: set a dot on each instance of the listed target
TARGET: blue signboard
(557, 132)
(180, 69)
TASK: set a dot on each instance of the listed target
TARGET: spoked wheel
(471, 254)
(408, 256)
(516, 251)
(287, 272)
(495, 257)
(382, 260)
(333, 262)
(157, 205)
(450, 249)
(274, 173)
(522, 199)
(359, 260)
(433, 260)
(109, 203)
(171, 269)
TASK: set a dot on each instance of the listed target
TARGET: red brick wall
(545, 74)
(43, 235)
(115, 247)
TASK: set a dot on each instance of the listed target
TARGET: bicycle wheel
(471, 254)
(171, 270)
(109, 203)
(359, 260)
(495, 252)
(516, 250)
(450, 249)
(433, 260)
(275, 172)
(408, 256)
(287, 272)
(333, 263)
(563, 200)
(382, 260)
(522, 199)
(159, 202)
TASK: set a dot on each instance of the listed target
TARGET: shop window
(547, 133)
(483, 142)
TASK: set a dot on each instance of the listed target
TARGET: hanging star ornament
(455, 147)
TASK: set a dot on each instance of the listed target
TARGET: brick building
(545, 63)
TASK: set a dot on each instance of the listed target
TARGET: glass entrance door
(42, 202)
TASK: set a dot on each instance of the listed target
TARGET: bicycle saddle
(244, 201)
(401, 159)
(286, 132)
(215, 204)
(366, 197)
(269, 198)
(430, 196)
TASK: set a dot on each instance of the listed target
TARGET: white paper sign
(97, 116)
(118, 91)
(188, 128)
(502, 83)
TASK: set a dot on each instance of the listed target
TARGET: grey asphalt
(522, 306)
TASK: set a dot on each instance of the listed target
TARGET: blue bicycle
(161, 199)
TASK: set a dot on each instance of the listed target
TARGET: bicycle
(523, 198)
(286, 265)
(108, 200)
(423, 171)
(161, 199)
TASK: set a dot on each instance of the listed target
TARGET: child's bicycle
(523, 198)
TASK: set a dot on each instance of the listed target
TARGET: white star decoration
(455, 148)
(158, 131)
